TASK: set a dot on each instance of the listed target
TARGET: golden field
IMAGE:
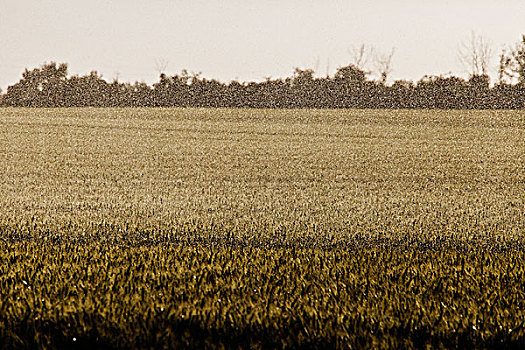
(452, 173)
(340, 202)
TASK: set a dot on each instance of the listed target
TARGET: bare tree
(511, 67)
(475, 54)
(160, 65)
(506, 67)
(519, 60)
(360, 56)
(116, 77)
(317, 63)
(383, 64)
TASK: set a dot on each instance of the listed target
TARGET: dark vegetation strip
(92, 295)
(51, 86)
(217, 236)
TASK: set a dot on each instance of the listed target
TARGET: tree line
(350, 87)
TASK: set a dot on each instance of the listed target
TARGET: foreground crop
(80, 295)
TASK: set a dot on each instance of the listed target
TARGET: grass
(261, 228)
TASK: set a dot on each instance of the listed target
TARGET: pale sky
(246, 39)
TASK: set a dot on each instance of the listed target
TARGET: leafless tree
(383, 64)
(317, 63)
(360, 55)
(116, 77)
(506, 67)
(475, 54)
(518, 60)
(160, 65)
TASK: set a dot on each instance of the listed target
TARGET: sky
(248, 40)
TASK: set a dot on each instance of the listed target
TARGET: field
(261, 228)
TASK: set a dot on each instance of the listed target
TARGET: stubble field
(261, 228)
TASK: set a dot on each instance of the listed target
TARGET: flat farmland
(348, 228)
(446, 173)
